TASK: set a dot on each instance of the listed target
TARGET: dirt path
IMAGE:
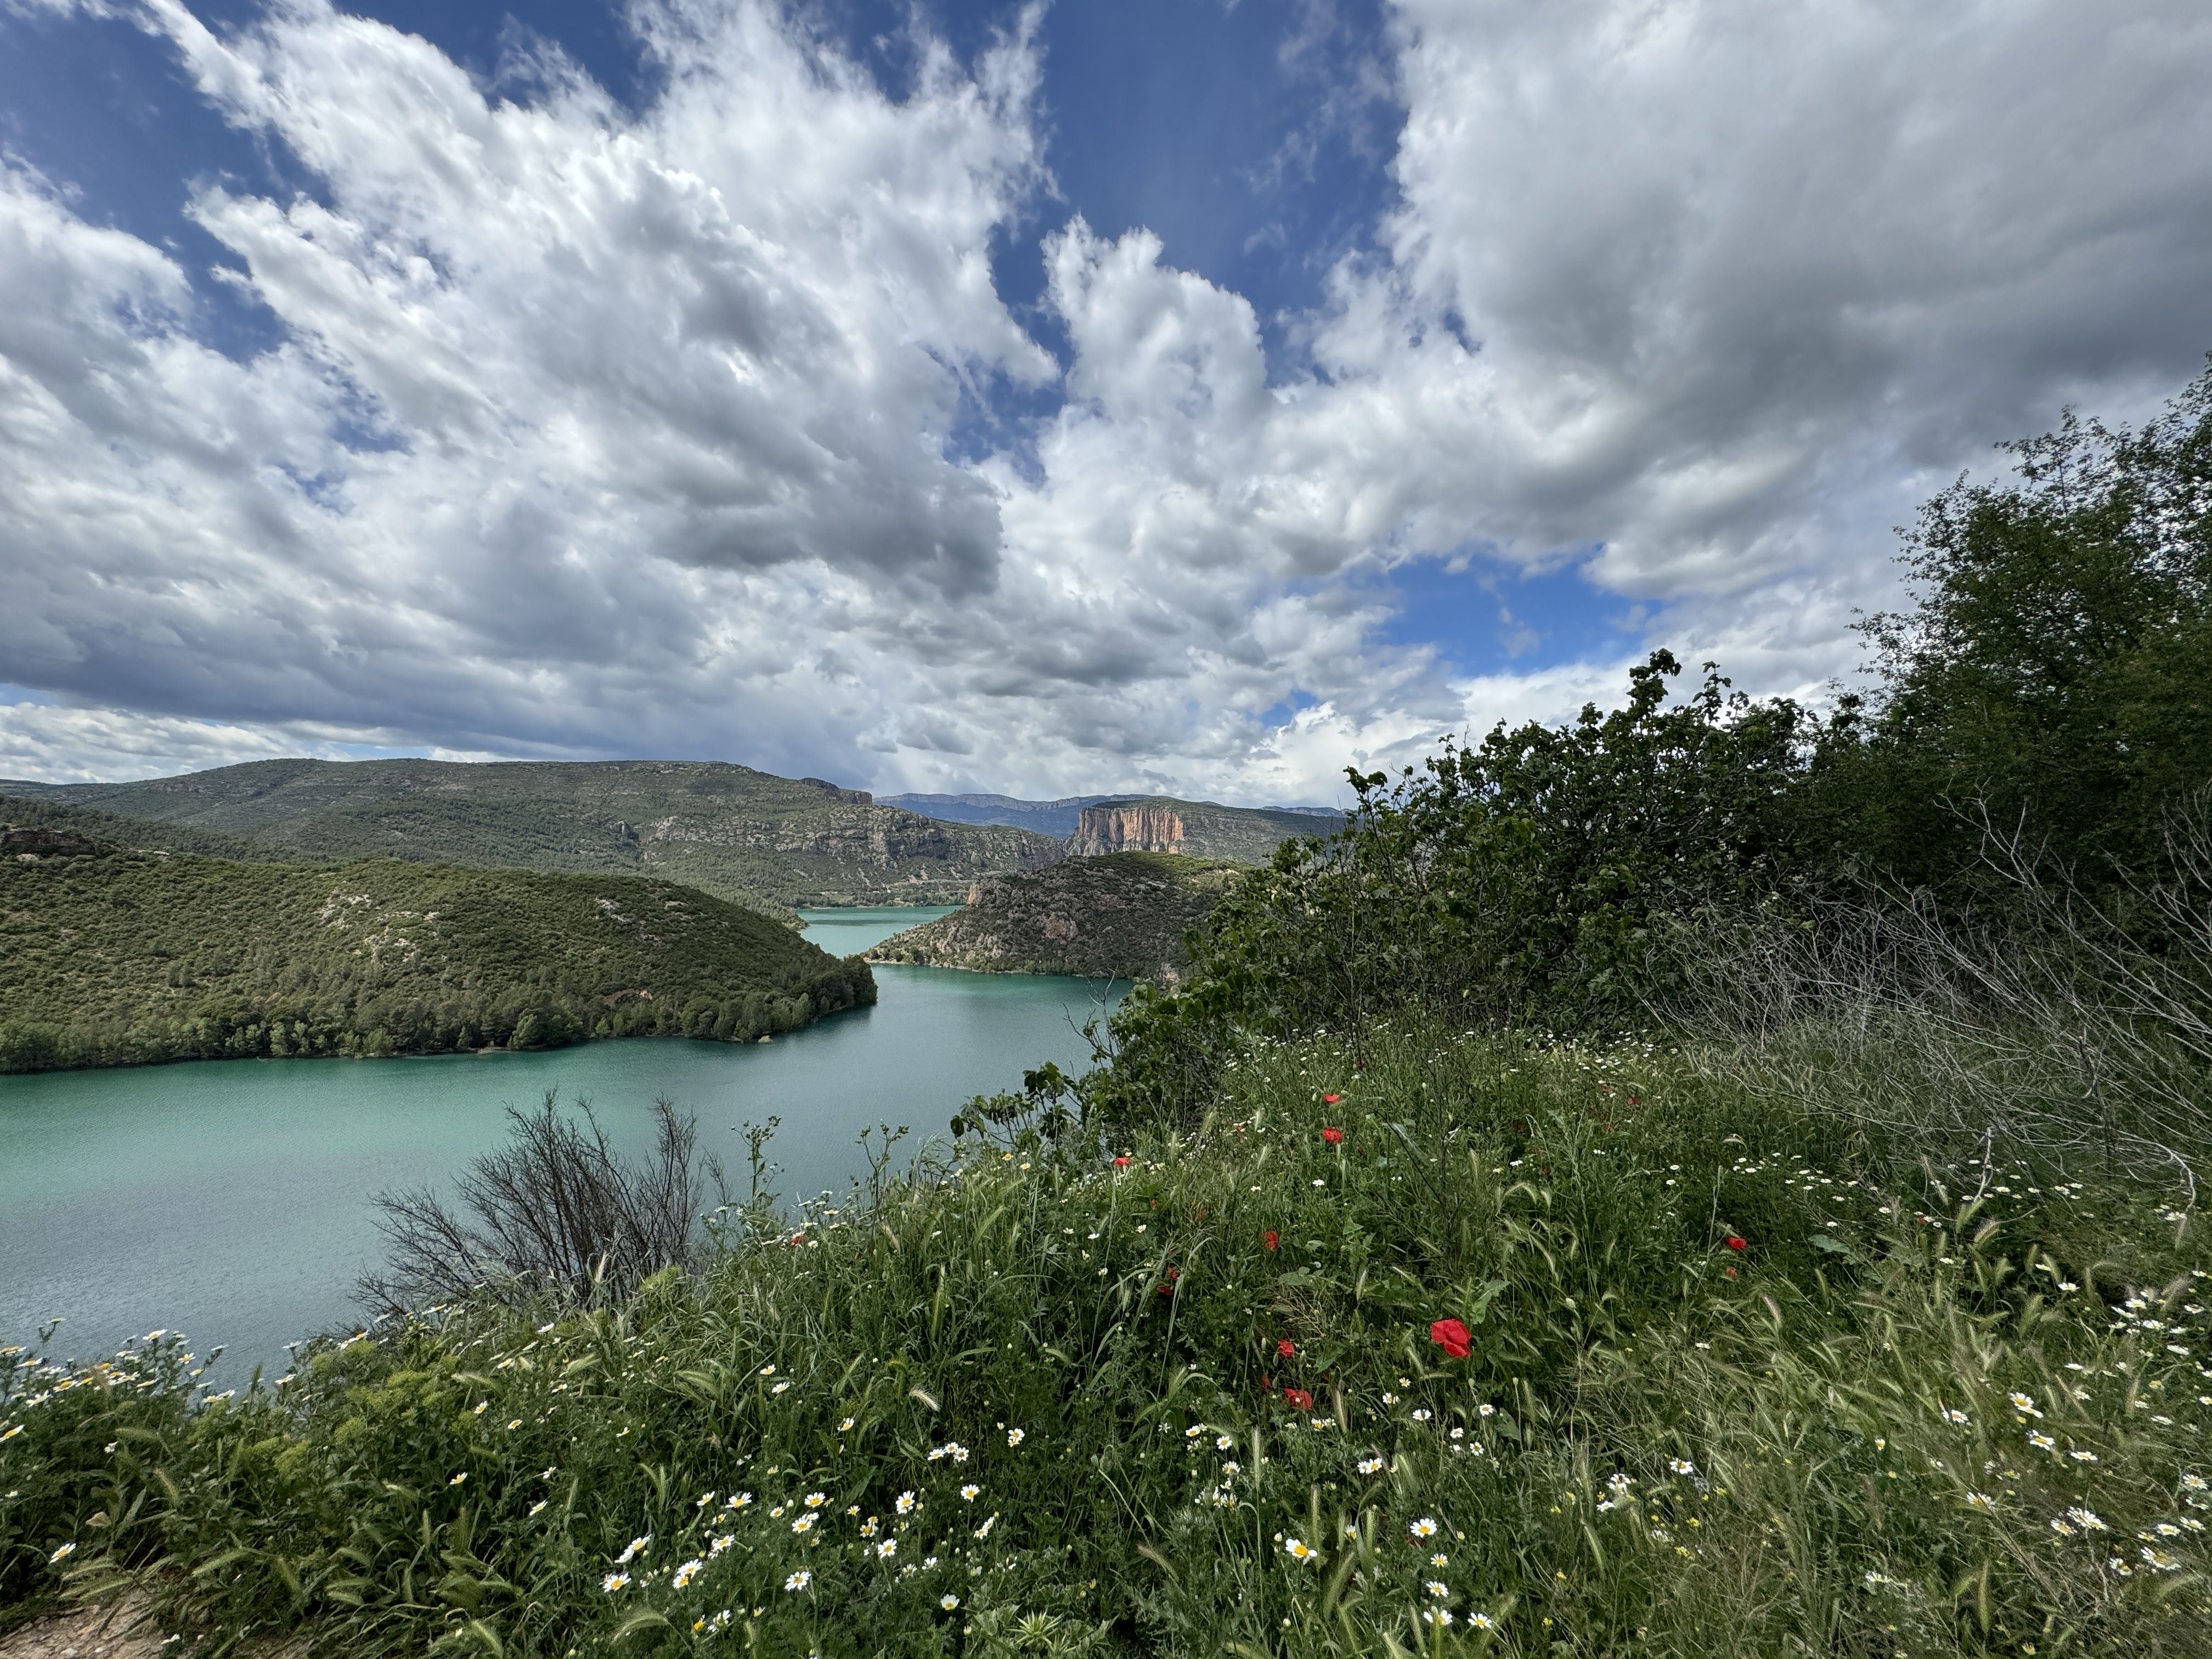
(121, 1631)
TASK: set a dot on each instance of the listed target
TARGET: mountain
(23, 817)
(1055, 818)
(1249, 835)
(1119, 914)
(743, 835)
(118, 957)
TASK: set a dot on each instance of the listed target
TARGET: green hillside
(1160, 824)
(124, 957)
(112, 830)
(1122, 915)
(729, 830)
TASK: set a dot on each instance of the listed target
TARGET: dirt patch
(122, 1631)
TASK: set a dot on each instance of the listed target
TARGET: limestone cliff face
(1127, 829)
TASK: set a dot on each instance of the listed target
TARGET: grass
(1039, 1400)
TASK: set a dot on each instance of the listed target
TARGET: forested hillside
(1120, 915)
(123, 958)
(745, 835)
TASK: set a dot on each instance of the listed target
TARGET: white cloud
(602, 433)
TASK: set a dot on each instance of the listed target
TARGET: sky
(1161, 395)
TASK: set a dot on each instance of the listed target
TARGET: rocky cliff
(1119, 914)
(1249, 835)
(1142, 828)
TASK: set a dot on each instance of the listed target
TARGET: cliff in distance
(1249, 835)
(747, 836)
(1119, 915)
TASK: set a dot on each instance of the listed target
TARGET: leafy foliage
(129, 957)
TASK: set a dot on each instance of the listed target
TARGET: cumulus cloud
(602, 432)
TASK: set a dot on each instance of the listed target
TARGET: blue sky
(1166, 394)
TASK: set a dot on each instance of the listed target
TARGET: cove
(230, 1198)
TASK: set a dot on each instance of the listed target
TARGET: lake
(230, 1198)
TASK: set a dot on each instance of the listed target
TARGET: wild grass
(1181, 1396)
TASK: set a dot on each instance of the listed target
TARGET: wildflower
(1222, 1442)
(1389, 1398)
(1268, 1240)
(1121, 1163)
(737, 1500)
(1423, 1527)
(1437, 1588)
(1422, 1413)
(969, 1494)
(1370, 1466)
(799, 1581)
(1682, 1465)
(888, 1548)
(2040, 1441)
(845, 1426)
(538, 1505)
(1950, 1416)
(803, 1524)
(1453, 1338)
(984, 1531)
(1440, 1560)
(1734, 1242)
(61, 1554)
(2024, 1403)
(1330, 1100)
(906, 1502)
(684, 1574)
(1982, 1501)
(2082, 1457)
(815, 1500)
(1285, 1348)
(779, 1388)
(2157, 1561)
(14, 1428)
(638, 1547)
(721, 1542)
(1299, 1398)
(1015, 1436)
(1481, 1621)
(1335, 1137)
(1436, 1615)
(2087, 1520)
(1299, 1550)
(948, 1601)
(767, 1371)
(458, 1478)
(615, 1581)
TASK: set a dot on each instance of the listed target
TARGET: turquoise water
(230, 1198)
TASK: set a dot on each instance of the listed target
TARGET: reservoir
(230, 1200)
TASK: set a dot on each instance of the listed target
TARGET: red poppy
(1285, 1348)
(1121, 1163)
(1299, 1398)
(798, 1239)
(1267, 1384)
(1453, 1338)
(1330, 1100)
(1735, 1243)
(1168, 1288)
(1269, 1239)
(1730, 1272)
(1332, 1136)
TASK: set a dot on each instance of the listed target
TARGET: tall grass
(1035, 1399)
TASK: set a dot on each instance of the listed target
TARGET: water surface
(230, 1198)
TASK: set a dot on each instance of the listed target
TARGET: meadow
(1723, 1380)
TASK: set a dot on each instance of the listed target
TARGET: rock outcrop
(1142, 828)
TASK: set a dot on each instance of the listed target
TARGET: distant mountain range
(1050, 817)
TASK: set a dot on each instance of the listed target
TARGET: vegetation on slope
(1727, 1385)
(110, 829)
(126, 958)
(743, 835)
(1122, 915)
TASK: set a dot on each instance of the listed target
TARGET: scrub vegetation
(124, 957)
(1703, 1181)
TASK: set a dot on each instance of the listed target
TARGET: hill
(741, 835)
(1159, 824)
(114, 956)
(110, 829)
(1122, 916)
